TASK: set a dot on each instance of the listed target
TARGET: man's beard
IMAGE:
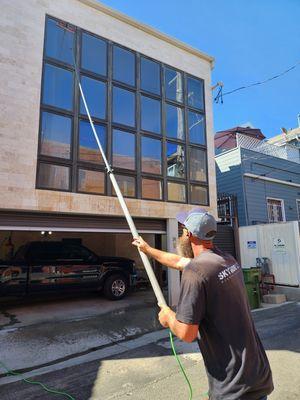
(184, 247)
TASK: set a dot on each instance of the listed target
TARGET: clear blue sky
(251, 40)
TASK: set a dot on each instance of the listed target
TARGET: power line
(220, 93)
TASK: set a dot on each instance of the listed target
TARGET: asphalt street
(143, 368)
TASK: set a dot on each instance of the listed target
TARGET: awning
(35, 221)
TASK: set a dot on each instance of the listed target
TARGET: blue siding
(230, 170)
(257, 191)
(273, 167)
(229, 179)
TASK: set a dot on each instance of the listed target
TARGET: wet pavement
(144, 369)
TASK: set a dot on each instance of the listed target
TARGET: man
(213, 303)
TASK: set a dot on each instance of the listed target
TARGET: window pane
(88, 147)
(150, 76)
(151, 189)
(56, 135)
(95, 96)
(151, 155)
(150, 115)
(94, 54)
(175, 160)
(58, 87)
(175, 122)
(199, 195)
(59, 42)
(123, 149)
(198, 170)
(91, 181)
(126, 184)
(196, 124)
(195, 93)
(123, 106)
(124, 65)
(173, 85)
(176, 192)
(53, 176)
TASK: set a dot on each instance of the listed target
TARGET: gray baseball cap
(199, 222)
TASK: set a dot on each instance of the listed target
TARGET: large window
(149, 118)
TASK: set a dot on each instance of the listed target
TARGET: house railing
(287, 152)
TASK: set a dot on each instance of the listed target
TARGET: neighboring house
(264, 178)
(150, 99)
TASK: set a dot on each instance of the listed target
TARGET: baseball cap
(199, 222)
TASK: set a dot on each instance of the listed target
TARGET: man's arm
(185, 332)
(168, 259)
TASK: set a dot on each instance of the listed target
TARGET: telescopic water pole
(155, 286)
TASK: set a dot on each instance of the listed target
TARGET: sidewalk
(144, 369)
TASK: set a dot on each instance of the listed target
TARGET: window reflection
(126, 184)
(173, 85)
(151, 155)
(88, 147)
(195, 93)
(91, 181)
(174, 122)
(150, 114)
(123, 106)
(56, 135)
(176, 192)
(123, 65)
(196, 125)
(58, 87)
(59, 42)
(95, 95)
(94, 54)
(175, 160)
(151, 189)
(150, 76)
(53, 176)
(123, 149)
(199, 195)
(198, 164)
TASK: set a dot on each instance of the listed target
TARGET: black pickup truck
(63, 266)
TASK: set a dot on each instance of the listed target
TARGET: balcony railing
(287, 152)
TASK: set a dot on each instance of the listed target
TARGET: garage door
(76, 223)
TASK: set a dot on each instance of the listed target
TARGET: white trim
(282, 207)
(266, 178)
(83, 230)
(148, 29)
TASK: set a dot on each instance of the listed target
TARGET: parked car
(63, 266)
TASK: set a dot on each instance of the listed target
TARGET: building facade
(264, 178)
(150, 99)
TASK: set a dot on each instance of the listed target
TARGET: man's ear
(189, 234)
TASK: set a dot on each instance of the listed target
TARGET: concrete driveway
(142, 367)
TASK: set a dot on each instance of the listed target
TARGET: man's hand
(141, 244)
(164, 316)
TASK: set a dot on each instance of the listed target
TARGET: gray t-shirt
(213, 295)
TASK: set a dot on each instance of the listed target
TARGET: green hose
(61, 393)
(52, 391)
(181, 366)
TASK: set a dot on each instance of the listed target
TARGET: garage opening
(103, 236)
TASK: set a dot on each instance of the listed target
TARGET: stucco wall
(21, 48)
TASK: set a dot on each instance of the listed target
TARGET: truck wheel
(115, 287)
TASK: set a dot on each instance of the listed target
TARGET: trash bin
(252, 277)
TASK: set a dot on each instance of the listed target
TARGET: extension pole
(155, 286)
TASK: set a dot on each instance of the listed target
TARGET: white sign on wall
(251, 244)
(279, 245)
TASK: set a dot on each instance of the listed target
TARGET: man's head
(199, 225)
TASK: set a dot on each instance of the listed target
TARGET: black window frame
(75, 164)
